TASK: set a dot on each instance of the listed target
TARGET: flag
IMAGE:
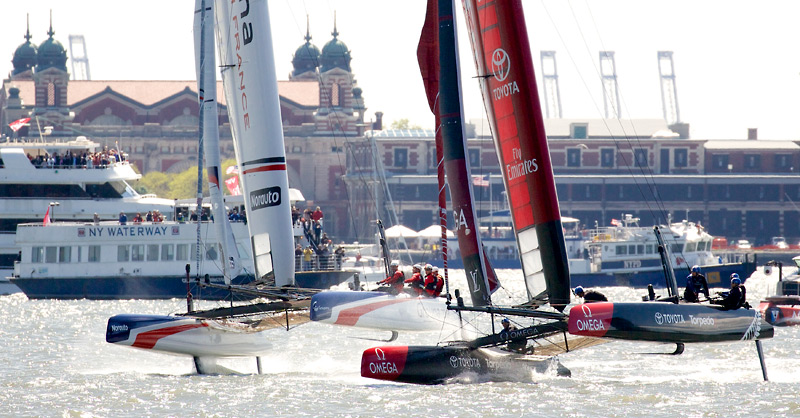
(232, 169)
(480, 181)
(616, 222)
(46, 220)
(17, 124)
(233, 185)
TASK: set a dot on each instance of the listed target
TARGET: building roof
(304, 93)
(750, 144)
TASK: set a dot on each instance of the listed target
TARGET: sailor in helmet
(439, 282)
(589, 296)
(430, 281)
(395, 280)
(415, 282)
(695, 284)
(517, 345)
(736, 297)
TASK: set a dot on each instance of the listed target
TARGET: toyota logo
(587, 312)
(659, 318)
(380, 354)
(501, 64)
(454, 361)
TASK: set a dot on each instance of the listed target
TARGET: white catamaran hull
(185, 335)
(381, 311)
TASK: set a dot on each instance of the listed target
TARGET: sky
(737, 63)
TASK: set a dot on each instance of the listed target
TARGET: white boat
(74, 189)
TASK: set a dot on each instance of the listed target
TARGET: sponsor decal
(382, 366)
(701, 320)
(81, 232)
(662, 318)
(501, 64)
(520, 167)
(476, 287)
(465, 362)
(119, 328)
(594, 320)
(125, 231)
(176, 230)
(245, 38)
(264, 198)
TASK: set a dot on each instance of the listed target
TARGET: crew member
(430, 281)
(737, 296)
(394, 281)
(517, 345)
(590, 296)
(415, 282)
(695, 284)
(439, 282)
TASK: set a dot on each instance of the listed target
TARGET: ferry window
(573, 157)
(50, 254)
(675, 248)
(632, 249)
(94, 253)
(622, 249)
(211, 252)
(640, 157)
(37, 255)
(401, 157)
(182, 252)
(167, 252)
(649, 249)
(137, 252)
(681, 157)
(691, 247)
(78, 257)
(123, 253)
(607, 157)
(64, 254)
(152, 252)
(640, 249)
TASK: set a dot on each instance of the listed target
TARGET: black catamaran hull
(435, 365)
(667, 322)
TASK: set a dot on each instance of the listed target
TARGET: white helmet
(394, 263)
(417, 266)
(428, 267)
(435, 268)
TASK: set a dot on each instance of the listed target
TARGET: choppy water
(55, 362)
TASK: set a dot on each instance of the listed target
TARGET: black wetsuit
(735, 298)
(694, 286)
(517, 344)
(594, 296)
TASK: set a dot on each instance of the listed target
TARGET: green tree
(182, 185)
(404, 124)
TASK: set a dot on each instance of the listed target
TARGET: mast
(502, 55)
(251, 91)
(440, 73)
(209, 131)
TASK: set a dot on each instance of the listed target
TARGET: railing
(318, 263)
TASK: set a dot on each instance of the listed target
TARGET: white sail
(251, 92)
(205, 66)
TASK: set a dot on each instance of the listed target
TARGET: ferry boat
(147, 260)
(783, 309)
(624, 254)
(55, 176)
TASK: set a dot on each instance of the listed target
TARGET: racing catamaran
(252, 94)
(505, 70)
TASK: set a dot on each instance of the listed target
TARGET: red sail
(503, 59)
(442, 87)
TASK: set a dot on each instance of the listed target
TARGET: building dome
(335, 53)
(25, 55)
(51, 53)
(306, 58)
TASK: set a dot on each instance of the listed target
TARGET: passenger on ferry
(339, 256)
(96, 218)
(307, 258)
(395, 280)
(415, 282)
(295, 214)
(737, 297)
(695, 284)
(149, 216)
(123, 220)
(317, 215)
(193, 216)
(157, 217)
(439, 282)
(430, 281)
(317, 231)
(138, 218)
(590, 295)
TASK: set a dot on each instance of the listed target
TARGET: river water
(55, 362)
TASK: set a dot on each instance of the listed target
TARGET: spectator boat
(783, 309)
